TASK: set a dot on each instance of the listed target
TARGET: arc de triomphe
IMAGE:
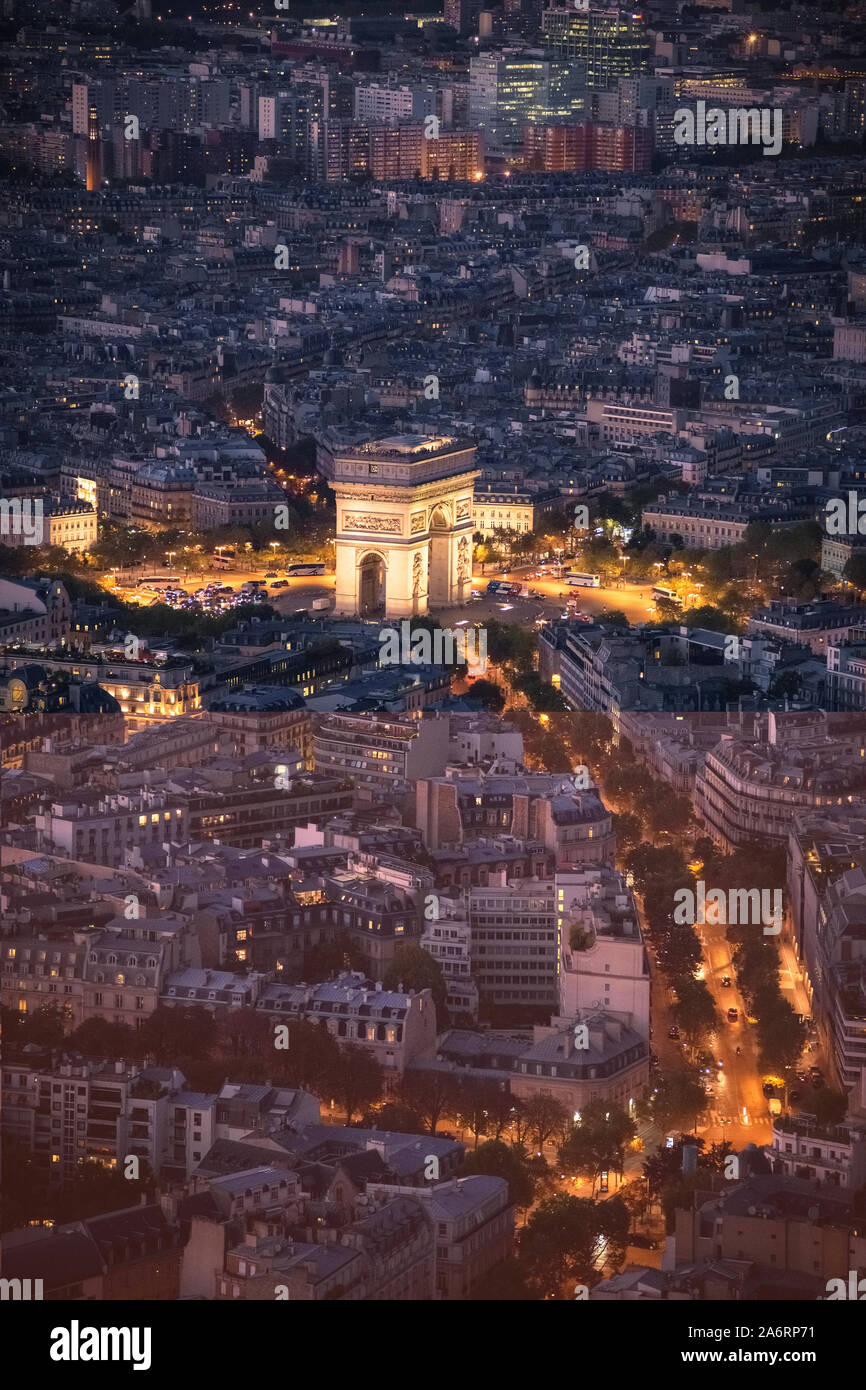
(404, 524)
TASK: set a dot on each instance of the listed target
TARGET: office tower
(513, 88)
(462, 15)
(390, 102)
(101, 97)
(588, 146)
(457, 154)
(611, 43)
(341, 149)
(94, 152)
(523, 17)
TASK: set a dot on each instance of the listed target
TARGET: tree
(706, 615)
(328, 958)
(677, 1098)
(570, 1240)
(179, 1032)
(310, 1060)
(508, 1161)
(855, 569)
(829, 1107)
(666, 813)
(431, 1093)
(596, 1143)
(504, 1283)
(394, 1117)
(545, 1116)
(613, 617)
(99, 1037)
(475, 1099)
(695, 1011)
(781, 1035)
(247, 1038)
(357, 1080)
(45, 1026)
(627, 828)
(490, 695)
(414, 968)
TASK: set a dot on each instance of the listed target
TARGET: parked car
(733, 1015)
(642, 1242)
(726, 982)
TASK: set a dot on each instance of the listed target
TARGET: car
(272, 574)
(794, 1096)
(280, 584)
(673, 1031)
(817, 1082)
(733, 1015)
(726, 982)
(719, 1064)
(642, 1242)
(768, 1088)
(815, 1071)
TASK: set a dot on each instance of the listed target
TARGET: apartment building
(70, 1112)
(613, 1067)
(833, 1155)
(512, 508)
(246, 814)
(394, 1026)
(748, 788)
(601, 955)
(447, 937)
(148, 692)
(263, 717)
(550, 810)
(378, 750)
(129, 1255)
(37, 612)
(784, 1226)
(846, 672)
(514, 945)
(103, 829)
(818, 626)
(473, 1221)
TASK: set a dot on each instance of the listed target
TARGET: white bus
(665, 591)
(586, 581)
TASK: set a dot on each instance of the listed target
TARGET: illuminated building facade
(404, 524)
(610, 43)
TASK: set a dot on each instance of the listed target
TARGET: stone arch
(439, 555)
(372, 582)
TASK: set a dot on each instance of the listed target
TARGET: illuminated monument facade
(404, 524)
